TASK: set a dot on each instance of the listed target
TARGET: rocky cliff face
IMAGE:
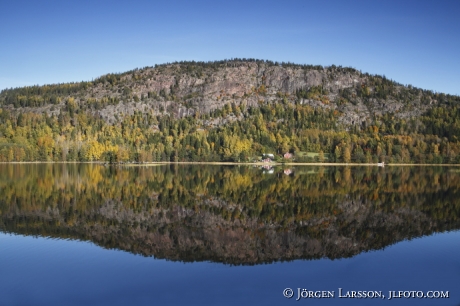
(183, 89)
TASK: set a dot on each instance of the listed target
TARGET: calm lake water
(80, 234)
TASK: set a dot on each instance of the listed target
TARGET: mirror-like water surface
(225, 235)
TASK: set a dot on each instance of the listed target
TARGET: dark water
(221, 235)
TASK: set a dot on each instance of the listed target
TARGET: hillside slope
(259, 106)
(185, 88)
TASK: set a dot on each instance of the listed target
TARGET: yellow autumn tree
(94, 150)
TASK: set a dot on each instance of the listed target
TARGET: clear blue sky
(412, 42)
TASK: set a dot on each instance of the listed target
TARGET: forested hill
(233, 110)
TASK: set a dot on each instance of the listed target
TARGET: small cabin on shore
(269, 155)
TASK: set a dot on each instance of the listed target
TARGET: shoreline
(232, 164)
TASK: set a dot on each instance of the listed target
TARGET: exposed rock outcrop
(186, 88)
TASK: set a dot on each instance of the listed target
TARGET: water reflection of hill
(230, 214)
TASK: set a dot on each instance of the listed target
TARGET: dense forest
(138, 117)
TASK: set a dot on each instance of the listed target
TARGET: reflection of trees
(229, 214)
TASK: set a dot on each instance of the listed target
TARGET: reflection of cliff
(230, 215)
